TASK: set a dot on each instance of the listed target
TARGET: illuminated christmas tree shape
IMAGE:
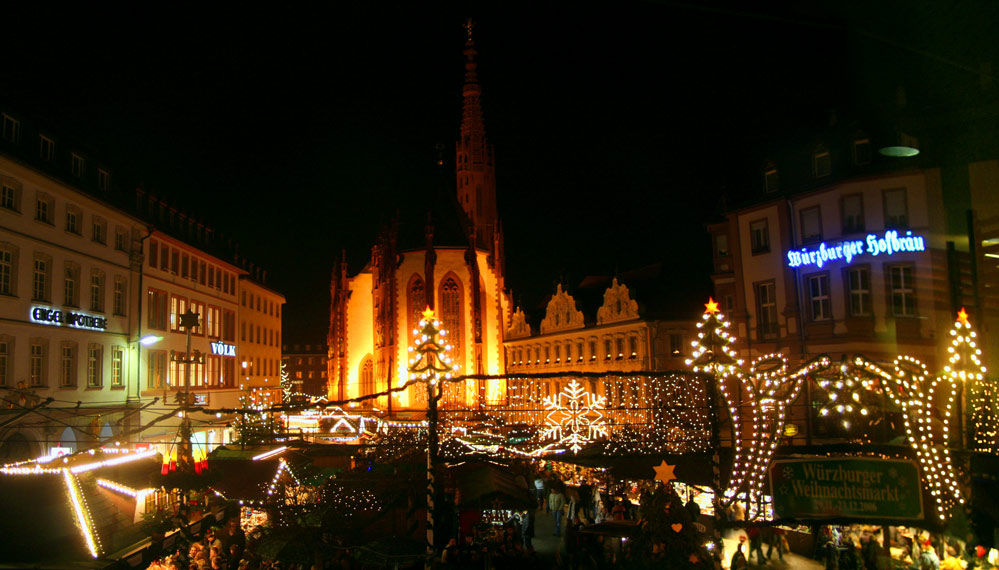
(575, 417)
(429, 360)
(286, 385)
(911, 389)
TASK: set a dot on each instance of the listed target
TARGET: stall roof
(481, 484)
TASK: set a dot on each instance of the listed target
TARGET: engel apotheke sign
(58, 317)
(888, 244)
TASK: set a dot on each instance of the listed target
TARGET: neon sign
(50, 316)
(223, 349)
(888, 244)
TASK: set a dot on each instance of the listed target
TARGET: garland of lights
(909, 388)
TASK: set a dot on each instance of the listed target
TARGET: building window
(194, 270)
(771, 180)
(43, 208)
(184, 262)
(117, 366)
(676, 344)
(859, 282)
(97, 290)
(896, 208)
(67, 366)
(40, 279)
(242, 331)
(104, 179)
(118, 304)
(36, 363)
(6, 346)
(821, 163)
(11, 128)
(811, 224)
(178, 306)
(766, 309)
(10, 197)
(71, 289)
(76, 165)
(903, 294)
(95, 366)
(229, 326)
(73, 216)
(213, 322)
(164, 257)
(852, 206)
(46, 147)
(451, 313)
(156, 362)
(759, 236)
(121, 239)
(818, 295)
(721, 245)
(608, 349)
(862, 151)
(8, 268)
(198, 308)
(100, 230)
(156, 301)
(417, 301)
(632, 347)
(153, 253)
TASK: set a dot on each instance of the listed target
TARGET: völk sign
(851, 488)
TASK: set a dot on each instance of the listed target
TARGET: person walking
(556, 503)
(539, 490)
(776, 540)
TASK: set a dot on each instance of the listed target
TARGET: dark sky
(617, 127)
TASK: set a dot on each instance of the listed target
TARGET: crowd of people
(225, 548)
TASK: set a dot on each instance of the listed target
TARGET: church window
(450, 314)
(417, 299)
(367, 379)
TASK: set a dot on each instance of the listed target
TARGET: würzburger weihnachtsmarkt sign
(854, 487)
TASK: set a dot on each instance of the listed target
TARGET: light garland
(82, 512)
(138, 494)
(270, 453)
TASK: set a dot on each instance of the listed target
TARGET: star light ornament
(575, 417)
(429, 360)
(966, 366)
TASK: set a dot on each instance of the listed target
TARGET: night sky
(618, 128)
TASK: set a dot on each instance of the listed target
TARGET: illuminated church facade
(452, 260)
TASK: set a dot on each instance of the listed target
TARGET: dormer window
(77, 165)
(862, 151)
(11, 128)
(46, 148)
(770, 179)
(821, 163)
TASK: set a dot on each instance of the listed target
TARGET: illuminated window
(903, 294)
(117, 366)
(818, 294)
(451, 312)
(759, 236)
(95, 366)
(367, 376)
(156, 369)
(859, 283)
(811, 224)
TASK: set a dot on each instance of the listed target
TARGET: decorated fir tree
(965, 367)
(254, 424)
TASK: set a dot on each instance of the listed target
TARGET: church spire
(474, 155)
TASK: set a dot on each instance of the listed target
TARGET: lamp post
(185, 458)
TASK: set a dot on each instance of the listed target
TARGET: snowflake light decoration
(575, 416)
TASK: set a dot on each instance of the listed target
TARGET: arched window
(416, 299)
(367, 376)
(450, 312)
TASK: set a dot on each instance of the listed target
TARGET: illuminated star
(664, 472)
(962, 316)
(711, 306)
(428, 314)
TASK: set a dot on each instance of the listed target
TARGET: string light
(82, 512)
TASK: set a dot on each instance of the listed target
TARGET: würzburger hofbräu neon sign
(888, 244)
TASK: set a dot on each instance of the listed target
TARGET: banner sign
(888, 243)
(853, 487)
(75, 319)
